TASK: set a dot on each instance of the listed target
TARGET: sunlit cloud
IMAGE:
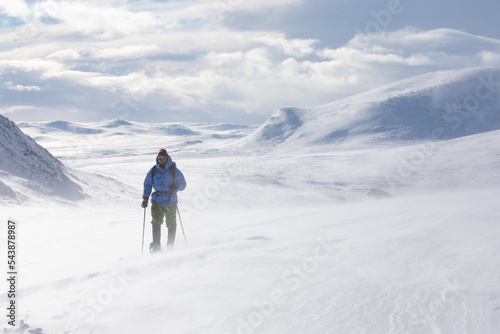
(15, 8)
(149, 58)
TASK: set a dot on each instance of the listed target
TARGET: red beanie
(162, 152)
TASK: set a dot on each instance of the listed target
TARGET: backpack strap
(153, 171)
(172, 169)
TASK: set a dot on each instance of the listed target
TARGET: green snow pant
(157, 213)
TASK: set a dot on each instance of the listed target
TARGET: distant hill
(29, 172)
(438, 105)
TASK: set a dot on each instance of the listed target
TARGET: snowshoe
(154, 247)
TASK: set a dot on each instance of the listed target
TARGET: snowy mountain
(438, 105)
(30, 172)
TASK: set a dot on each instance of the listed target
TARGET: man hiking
(166, 180)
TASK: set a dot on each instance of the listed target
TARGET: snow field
(416, 264)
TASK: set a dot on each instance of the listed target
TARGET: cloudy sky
(228, 60)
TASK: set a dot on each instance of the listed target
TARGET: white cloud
(32, 65)
(260, 5)
(96, 19)
(128, 52)
(14, 109)
(15, 8)
(440, 48)
(214, 12)
(65, 55)
(20, 88)
(156, 56)
(290, 47)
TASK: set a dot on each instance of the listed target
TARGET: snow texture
(348, 218)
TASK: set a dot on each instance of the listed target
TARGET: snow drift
(438, 105)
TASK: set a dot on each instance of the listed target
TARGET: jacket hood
(168, 164)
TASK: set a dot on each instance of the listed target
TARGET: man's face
(162, 160)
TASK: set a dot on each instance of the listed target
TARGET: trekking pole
(143, 228)
(182, 227)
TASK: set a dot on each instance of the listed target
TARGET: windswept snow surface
(392, 236)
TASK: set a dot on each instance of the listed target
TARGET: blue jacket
(161, 183)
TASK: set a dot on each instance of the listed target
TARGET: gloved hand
(173, 188)
(145, 202)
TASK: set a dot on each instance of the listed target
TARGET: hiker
(166, 180)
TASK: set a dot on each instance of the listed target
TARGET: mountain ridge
(436, 106)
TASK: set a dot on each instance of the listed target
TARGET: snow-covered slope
(31, 173)
(281, 239)
(438, 105)
(30, 167)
